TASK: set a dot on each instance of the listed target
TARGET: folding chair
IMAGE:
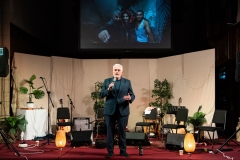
(148, 121)
(180, 121)
(63, 119)
(219, 119)
(100, 125)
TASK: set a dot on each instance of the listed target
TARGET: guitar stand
(7, 142)
(230, 138)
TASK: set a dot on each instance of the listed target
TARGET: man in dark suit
(118, 92)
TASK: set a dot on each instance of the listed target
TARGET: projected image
(125, 24)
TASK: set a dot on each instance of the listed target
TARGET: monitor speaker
(174, 141)
(4, 67)
(82, 123)
(81, 138)
(137, 138)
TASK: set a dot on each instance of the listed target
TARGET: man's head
(116, 16)
(117, 70)
(140, 15)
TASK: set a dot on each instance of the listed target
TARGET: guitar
(179, 102)
(66, 128)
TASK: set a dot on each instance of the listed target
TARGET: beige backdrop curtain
(192, 76)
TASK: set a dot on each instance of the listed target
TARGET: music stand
(7, 142)
(49, 100)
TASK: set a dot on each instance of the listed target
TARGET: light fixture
(60, 139)
(189, 143)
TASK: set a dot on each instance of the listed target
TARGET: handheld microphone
(114, 80)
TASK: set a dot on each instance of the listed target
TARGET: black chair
(63, 119)
(219, 119)
(180, 121)
(100, 114)
(148, 121)
(100, 124)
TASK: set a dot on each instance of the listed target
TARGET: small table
(37, 123)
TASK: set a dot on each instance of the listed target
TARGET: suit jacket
(113, 99)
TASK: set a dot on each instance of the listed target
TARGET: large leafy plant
(13, 123)
(99, 102)
(198, 118)
(162, 93)
(32, 91)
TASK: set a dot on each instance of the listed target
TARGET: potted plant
(163, 93)
(99, 102)
(32, 91)
(198, 118)
(11, 124)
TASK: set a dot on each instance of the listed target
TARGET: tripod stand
(230, 138)
(7, 142)
(49, 100)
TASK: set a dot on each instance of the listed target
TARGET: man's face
(139, 16)
(125, 17)
(116, 18)
(117, 71)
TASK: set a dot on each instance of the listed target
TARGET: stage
(156, 150)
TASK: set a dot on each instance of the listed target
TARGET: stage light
(189, 143)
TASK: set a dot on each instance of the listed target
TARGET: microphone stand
(49, 100)
(72, 106)
(230, 138)
(8, 143)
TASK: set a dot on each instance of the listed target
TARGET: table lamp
(189, 143)
(60, 139)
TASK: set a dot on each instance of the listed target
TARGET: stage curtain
(192, 76)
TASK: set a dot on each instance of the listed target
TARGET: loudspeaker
(174, 141)
(4, 67)
(137, 138)
(82, 123)
(100, 143)
(81, 138)
(237, 71)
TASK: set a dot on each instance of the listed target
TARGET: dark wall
(189, 31)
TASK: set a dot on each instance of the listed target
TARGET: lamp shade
(60, 139)
(189, 143)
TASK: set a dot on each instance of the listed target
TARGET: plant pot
(30, 104)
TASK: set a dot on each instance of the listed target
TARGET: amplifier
(82, 123)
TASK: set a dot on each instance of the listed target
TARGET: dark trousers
(111, 121)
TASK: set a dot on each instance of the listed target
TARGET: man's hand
(110, 86)
(104, 36)
(127, 98)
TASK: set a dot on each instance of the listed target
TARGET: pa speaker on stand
(4, 67)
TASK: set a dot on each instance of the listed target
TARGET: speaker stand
(7, 143)
(230, 138)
